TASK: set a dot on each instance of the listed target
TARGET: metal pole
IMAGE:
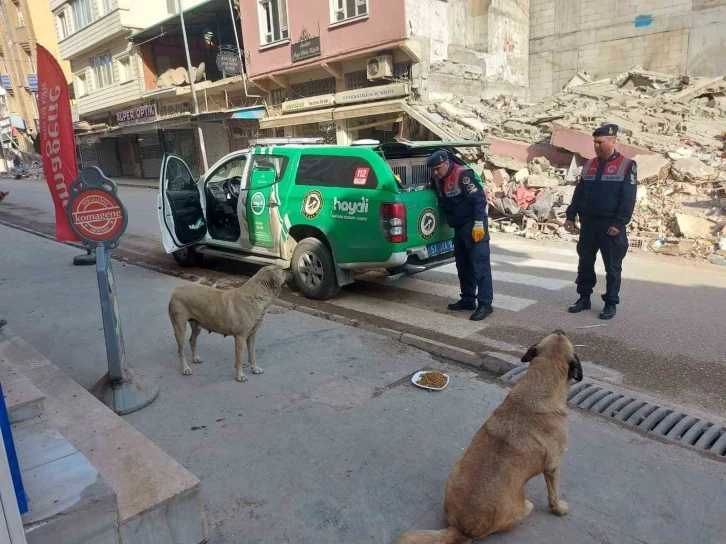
(239, 52)
(194, 90)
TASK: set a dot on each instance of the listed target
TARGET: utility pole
(194, 90)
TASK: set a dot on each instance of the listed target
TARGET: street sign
(229, 62)
(99, 218)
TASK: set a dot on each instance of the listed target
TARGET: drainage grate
(677, 426)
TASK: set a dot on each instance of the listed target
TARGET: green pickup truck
(323, 211)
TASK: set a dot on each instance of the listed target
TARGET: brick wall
(607, 37)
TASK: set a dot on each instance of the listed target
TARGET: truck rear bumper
(416, 266)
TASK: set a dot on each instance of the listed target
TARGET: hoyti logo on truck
(351, 208)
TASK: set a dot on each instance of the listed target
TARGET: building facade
(24, 24)
(346, 70)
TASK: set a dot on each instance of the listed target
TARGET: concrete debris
(522, 175)
(693, 170)
(652, 168)
(672, 126)
(694, 227)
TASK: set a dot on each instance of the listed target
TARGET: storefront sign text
(308, 103)
(372, 93)
(143, 114)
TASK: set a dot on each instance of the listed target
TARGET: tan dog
(524, 437)
(235, 312)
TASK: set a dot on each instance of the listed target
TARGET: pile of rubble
(672, 126)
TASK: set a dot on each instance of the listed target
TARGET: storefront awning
(301, 118)
(337, 114)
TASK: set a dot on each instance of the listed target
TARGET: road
(667, 339)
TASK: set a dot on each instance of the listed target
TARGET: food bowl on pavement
(432, 380)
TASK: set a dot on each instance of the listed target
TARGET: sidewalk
(137, 182)
(333, 443)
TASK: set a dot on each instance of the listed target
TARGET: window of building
(19, 10)
(172, 7)
(278, 96)
(330, 171)
(82, 13)
(273, 21)
(63, 29)
(80, 85)
(102, 71)
(104, 7)
(318, 87)
(125, 71)
(342, 10)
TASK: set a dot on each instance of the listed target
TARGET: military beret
(437, 158)
(606, 130)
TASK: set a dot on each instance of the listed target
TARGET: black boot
(609, 311)
(482, 312)
(583, 303)
(462, 305)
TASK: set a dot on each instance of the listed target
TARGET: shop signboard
(142, 114)
(311, 103)
(306, 49)
(395, 90)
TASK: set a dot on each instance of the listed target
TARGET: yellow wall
(40, 19)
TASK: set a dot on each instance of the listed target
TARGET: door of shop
(126, 156)
(152, 154)
(108, 157)
(183, 144)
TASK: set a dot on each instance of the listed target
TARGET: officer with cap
(604, 200)
(462, 199)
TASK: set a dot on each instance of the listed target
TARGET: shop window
(82, 13)
(343, 10)
(63, 29)
(329, 171)
(273, 21)
(125, 71)
(102, 71)
(80, 85)
(278, 96)
(313, 88)
(402, 70)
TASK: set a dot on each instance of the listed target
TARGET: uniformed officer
(604, 199)
(462, 199)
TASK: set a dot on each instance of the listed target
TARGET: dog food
(432, 379)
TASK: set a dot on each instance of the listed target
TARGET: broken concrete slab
(539, 181)
(473, 123)
(581, 143)
(652, 168)
(525, 153)
(681, 248)
(691, 226)
(693, 170)
(488, 176)
(500, 177)
(521, 175)
(507, 163)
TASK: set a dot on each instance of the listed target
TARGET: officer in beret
(461, 197)
(604, 200)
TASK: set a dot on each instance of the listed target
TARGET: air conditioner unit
(380, 67)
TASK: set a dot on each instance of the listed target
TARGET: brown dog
(235, 312)
(524, 437)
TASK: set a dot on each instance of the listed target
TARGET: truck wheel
(188, 257)
(313, 270)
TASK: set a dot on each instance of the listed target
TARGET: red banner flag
(58, 144)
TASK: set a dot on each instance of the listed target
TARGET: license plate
(439, 248)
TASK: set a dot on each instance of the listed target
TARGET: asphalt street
(666, 340)
(333, 443)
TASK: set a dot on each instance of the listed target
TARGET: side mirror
(262, 177)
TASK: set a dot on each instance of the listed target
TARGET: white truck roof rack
(287, 141)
